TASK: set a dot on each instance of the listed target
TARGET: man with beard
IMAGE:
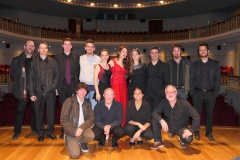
(179, 73)
(205, 86)
(19, 71)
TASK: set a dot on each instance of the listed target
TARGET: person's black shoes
(15, 136)
(52, 137)
(61, 136)
(209, 136)
(131, 143)
(114, 144)
(197, 135)
(100, 144)
(171, 135)
(41, 138)
(140, 142)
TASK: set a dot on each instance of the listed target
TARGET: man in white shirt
(87, 63)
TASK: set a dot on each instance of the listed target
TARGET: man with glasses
(19, 71)
(87, 63)
(176, 115)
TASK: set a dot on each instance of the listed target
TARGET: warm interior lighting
(69, 1)
(139, 4)
(161, 2)
(115, 5)
(92, 4)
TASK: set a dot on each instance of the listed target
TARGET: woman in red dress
(120, 67)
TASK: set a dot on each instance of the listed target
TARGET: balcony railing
(221, 27)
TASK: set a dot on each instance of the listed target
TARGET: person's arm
(56, 75)
(13, 68)
(111, 63)
(65, 117)
(118, 116)
(30, 79)
(217, 79)
(166, 77)
(156, 113)
(96, 72)
(195, 116)
(98, 119)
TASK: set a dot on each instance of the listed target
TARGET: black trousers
(130, 130)
(158, 135)
(22, 105)
(117, 131)
(50, 101)
(208, 99)
(66, 91)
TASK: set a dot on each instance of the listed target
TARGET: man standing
(157, 79)
(43, 81)
(87, 63)
(179, 73)
(205, 86)
(108, 118)
(176, 115)
(19, 72)
(77, 118)
(68, 63)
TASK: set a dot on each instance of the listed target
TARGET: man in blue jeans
(87, 63)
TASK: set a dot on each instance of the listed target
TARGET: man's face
(29, 47)
(176, 52)
(203, 51)
(81, 93)
(154, 54)
(108, 95)
(43, 49)
(89, 48)
(67, 46)
(171, 93)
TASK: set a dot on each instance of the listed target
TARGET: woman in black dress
(138, 118)
(102, 75)
(137, 75)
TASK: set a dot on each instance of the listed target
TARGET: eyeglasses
(28, 45)
(171, 92)
(90, 47)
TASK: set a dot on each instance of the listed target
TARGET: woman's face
(123, 53)
(135, 56)
(137, 94)
(104, 55)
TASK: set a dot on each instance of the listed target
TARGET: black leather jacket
(34, 86)
(16, 74)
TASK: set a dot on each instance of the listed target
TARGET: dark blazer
(214, 75)
(70, 115)
(75, 68)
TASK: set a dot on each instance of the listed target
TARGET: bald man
(176, 115)
(108, 118)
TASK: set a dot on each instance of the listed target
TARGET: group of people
(121, 96)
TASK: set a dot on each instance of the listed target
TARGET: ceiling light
(224, 44)
(115, 5)
(92, 4)
(161, 2)
(3, 41)
(69, 1)
(139, 4)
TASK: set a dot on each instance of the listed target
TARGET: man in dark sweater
(204, 86)
(19, 72)
(108, 118)
(176, 115)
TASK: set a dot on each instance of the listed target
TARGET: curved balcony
(187, 34)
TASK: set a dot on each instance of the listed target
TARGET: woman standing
(120, 67)
(102, 75)
(137, 75)
(138, 118)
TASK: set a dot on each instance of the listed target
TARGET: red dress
(119, 85)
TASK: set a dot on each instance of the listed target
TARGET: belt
(179, 87)
(204, 90)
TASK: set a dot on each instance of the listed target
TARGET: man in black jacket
(69, 68)
(205, 86)
(43, 81)
(19, 72)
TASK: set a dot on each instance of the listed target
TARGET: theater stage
(225, 147)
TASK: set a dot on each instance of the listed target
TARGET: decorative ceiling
(178, 9)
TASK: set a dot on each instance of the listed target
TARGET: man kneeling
(108, 118)
(176, 115)
(77, 118)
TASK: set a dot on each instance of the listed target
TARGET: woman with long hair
(102, 75)
(137, 75)
(120, 67)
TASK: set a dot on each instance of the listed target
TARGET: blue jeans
(90, 95)
(181, 93)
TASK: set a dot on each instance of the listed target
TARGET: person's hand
(142, 127)
(186, 133)
(136, 135)
(98, 97)
(78, 132)
(164, 126)
(33, 98)
(107, 129)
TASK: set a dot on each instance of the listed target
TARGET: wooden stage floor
(225, 147)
